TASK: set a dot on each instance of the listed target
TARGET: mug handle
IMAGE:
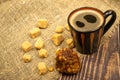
(111, 21)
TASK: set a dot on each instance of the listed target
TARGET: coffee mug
(88, 25)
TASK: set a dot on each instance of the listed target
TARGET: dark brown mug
(88, 25)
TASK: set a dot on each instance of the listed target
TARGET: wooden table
(17, 17)
(102, 65)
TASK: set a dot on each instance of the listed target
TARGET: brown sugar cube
(67, 61)
(34, 32)
(67, 27)
(42, 23)
(59, 29)
(57, 51)
(50, 69)
(43, 53)
(39, 43)
(57, 39)
(70, 43)
(42, 68)
(26, 46)
(27, 58)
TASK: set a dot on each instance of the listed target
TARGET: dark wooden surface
(103, 65)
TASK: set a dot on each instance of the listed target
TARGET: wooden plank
(103, 65)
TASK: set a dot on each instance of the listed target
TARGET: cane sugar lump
(34, 32)
(26, 46)
(39, 43)
(27, 58)
(57, 39)
(42, 67)
(67, 27)
(43, 53)
(67, 61)
(70, 43)
(51, 69)
(59, 29)
(57, 51)
(42, 23)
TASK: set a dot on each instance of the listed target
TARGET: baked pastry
(67, 61)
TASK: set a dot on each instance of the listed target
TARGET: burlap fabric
(17, 17)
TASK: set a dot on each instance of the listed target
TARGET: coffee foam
(78, 16)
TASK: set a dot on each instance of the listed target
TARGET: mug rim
(87, 8)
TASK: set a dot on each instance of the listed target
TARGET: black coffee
(86, 20)
(90, 18)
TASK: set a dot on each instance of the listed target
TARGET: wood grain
(103, 65)
(17, 17)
